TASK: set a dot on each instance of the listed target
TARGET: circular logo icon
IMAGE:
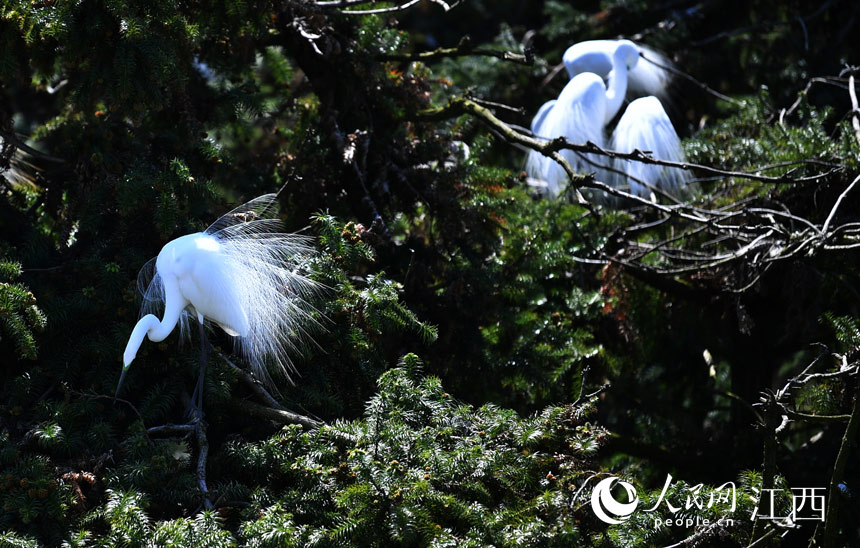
(609, 510)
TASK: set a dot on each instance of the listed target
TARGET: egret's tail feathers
(264, 207)
(270, 270)
(149, 286)
(645, 126)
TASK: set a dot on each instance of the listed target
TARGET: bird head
(628, 53)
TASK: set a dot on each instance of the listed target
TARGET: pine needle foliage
(420, 468)
(19, 315)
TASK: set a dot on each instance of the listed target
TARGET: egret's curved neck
(156, 330)
(143, 326)
(616, 87)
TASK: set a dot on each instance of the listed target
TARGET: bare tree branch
(460, 105)
(689, 78)
(757, 236)
(826, 534)
(855, 110)
(375, 11)
(838, 202)
(12, 138)
(275, 410)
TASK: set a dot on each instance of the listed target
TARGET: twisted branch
(760, 236)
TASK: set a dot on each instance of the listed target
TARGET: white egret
(584, 109)
(645, 78)
(242, 274)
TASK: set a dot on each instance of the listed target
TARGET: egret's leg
(197, 396)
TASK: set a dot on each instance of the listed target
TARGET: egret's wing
(264, 207)
(541, 115)
(220, 286)
(21, 171)
(645, 126)
(577, 115)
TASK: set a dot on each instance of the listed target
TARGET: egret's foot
(196, 429)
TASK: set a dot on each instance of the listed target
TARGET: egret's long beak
(121, 378)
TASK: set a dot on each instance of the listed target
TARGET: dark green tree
(714, 339)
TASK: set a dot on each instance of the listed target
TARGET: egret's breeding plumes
(242, 274)
(587, 106)
(646, 126)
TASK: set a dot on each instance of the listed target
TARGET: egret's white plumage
(541, 115)
(243, 274)
(583, 108)
(587, 105)
(646, 126)
(577, 115)
(646, 78)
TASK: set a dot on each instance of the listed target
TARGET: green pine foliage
(420, 467)
(19, 315)
(417, 467)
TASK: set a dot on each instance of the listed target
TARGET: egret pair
(587, 106)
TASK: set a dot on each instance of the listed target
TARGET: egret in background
(585, 109)
(242, 274)
(647, 77)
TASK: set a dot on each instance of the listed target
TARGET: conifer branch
(274, 410)
(464, 49)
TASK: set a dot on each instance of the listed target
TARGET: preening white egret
(242, 274)
(587, 105)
